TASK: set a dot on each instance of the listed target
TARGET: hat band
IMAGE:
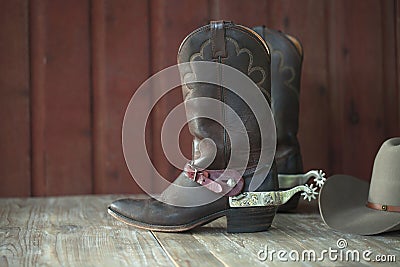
(383, 207)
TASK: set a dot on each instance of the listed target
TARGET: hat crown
(385, 181)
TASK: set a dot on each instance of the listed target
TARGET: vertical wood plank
(336, 97)
(389, 69)
(356, 85)
(120, 64)
(167, 32)
(247, 13)
(350, 90)
(60, 68)
(397, 28)
(14, 99)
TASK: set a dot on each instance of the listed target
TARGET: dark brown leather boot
(213, 149)
(286, 61)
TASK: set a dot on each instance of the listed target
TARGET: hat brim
(342, 204)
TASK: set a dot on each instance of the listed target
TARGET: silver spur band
(277, 198)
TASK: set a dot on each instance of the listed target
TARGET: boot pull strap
(218, 39)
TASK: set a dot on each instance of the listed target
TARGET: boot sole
(239, 220)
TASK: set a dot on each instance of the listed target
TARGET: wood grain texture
(238, 11)
(14, 99)
(389, 70)
(120, 63)
(185, 250)
(72, 231)
(356, 78)
(61, 108)
(77, 231)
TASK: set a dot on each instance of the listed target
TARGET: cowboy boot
(207, 176)
(286, 61)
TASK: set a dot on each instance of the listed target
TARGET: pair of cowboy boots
(228, 176)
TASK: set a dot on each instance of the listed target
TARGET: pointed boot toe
(127, 210)
(151, 214)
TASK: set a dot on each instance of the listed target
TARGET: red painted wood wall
(69, 68)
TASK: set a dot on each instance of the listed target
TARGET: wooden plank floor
(77, 231)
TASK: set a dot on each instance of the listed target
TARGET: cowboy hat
(351, 205)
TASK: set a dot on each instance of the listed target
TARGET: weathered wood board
(77, 231)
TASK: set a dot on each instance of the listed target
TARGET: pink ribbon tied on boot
(225, 182)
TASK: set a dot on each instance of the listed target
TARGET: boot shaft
(286, 63)
(242, 49)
